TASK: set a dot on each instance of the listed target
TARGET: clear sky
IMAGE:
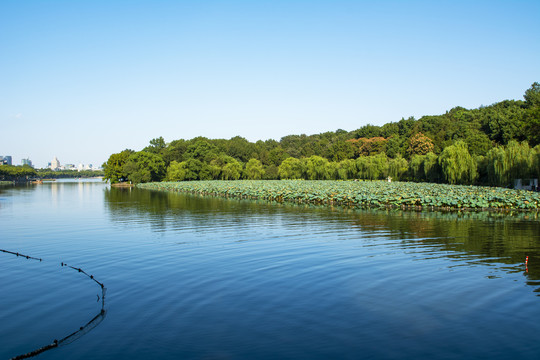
(83, 79)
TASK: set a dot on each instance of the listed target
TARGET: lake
(189, 277)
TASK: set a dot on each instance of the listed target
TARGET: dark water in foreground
(206, 278)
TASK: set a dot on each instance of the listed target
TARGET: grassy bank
(363, 193)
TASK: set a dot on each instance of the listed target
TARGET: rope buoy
(96, 320)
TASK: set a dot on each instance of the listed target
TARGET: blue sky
(83, 79)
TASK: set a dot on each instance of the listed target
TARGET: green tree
(347, 169)
(478, 143)
(416, 168)
(254, 169)
(210, 171)
(372, 167)
(497, 166)
(114, 167)
(341, 150)
(174, 151)
(333, 168)
(271, 172)
(317, 168)
(536, 162)
(532, 95)
(431, 167)
(397, 167)
(241, 149)
(231, 170)
(277, 155)
(457, 165)
(515, 161)
(185, 170)
(156, 146)
(144, 167)
(519, 159)
(290, 168)
(532, 116)
(176, 171)
(17, 173)
(201, 149)
(378, 168)
(393, 146)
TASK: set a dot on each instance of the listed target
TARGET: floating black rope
(37, 351)
(82, 271)
(96, 320)
(18, 254)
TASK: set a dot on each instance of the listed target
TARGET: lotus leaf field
(362, 193)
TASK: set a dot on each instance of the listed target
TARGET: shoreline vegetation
(363, 194)
(11, 174)
(496, 145)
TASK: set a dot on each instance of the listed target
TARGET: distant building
(26, 162)
(55, 164)
(5, 160)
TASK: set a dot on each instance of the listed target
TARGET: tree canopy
(489, 145)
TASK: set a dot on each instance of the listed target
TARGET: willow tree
(231, 170)
(536, 164)
(254, 169)
(431, 167)
(497, 166)
(515, 161)
(372, 167)
(332, 169)
(290, 168)
(317, 168)
(397, 167)
(416, 168)
(346, 169)
(457, 165)
(210, 171)
(519, 159)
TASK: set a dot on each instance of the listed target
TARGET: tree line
(16, 173)
(491, 145)
(25, 172)
(68, 174)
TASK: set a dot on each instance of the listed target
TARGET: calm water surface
(208, 278)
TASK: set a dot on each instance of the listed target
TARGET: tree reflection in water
(482, 237)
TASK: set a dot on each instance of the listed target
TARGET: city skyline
(50, 164)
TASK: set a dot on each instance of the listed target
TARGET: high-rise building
(5, 160)
(26, 162)
(55, 164)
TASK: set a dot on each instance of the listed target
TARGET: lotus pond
(363, 193)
